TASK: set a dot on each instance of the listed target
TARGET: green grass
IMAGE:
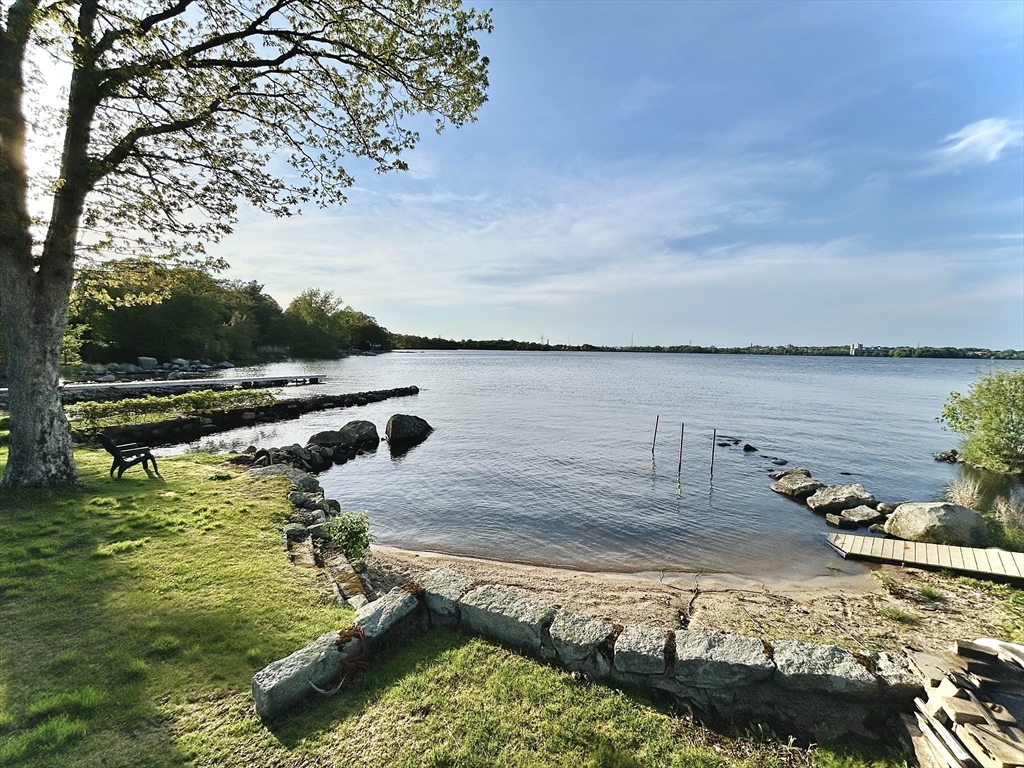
(1013, 608)
(134, 613)
(98, 414)
(892, 613)
(928, 592)
(888, 583)
(122, 600)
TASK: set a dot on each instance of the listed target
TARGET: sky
(722, 173)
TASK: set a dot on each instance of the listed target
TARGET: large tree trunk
(34, 291)
(34, 317)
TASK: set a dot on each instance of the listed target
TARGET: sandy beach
(860, 612)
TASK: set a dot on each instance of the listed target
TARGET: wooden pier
(972, 561)
(249, 382)
(121, 389)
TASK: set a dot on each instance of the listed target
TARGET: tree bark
(33, 293)
(34, 316)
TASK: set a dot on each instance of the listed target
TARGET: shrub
(991, 419)
(351, 532)
(965, 492)
(1009, 512)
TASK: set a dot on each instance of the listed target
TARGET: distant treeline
(401, 341)
(125, 310)
(188, 313)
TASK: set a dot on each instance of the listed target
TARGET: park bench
(128, 455)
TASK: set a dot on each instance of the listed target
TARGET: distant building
(856, 349)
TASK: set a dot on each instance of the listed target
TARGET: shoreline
(837, 583)
(858, 612)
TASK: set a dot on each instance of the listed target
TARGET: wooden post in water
(679, 470)
(655, 440)
(714, 439)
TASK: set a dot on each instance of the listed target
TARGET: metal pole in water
(653, 442)
(714, 438)
(679, 470)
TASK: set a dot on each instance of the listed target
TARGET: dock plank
(956, 557)
(889, 549)
(973, 560)
(981, 557)
(858, 546)
(869, 546)
(931, 554)
(970, 561)
(910, 552)
(1018, 559)
(995, 556)
(1009, 566)
(906, 551)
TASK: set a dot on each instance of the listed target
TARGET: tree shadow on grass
(447, 698)
(133, 592)
(390, 665)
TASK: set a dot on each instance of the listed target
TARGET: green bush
(351, 532)
(94, 414)
(991, 419)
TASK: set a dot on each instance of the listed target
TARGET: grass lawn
(134, 613)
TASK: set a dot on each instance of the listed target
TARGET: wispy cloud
(538, 238)
(985, 141)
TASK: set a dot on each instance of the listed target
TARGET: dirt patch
(887, 610)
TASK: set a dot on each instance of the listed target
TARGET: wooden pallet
(970, 560)
(959, 724)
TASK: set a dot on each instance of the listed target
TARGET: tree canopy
(173, 112)
(991, 419)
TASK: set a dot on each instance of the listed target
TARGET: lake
(546, 458)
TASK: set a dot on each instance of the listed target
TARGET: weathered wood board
(970, 560)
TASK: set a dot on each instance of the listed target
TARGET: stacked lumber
(974, 698)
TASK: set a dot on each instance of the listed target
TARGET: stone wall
(813, 692)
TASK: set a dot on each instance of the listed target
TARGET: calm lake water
(546, 457)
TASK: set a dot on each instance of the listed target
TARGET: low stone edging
(306, 537)
(810, 691)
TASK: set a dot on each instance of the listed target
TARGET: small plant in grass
(48, 736)
(966, 492)
(893, 613)
(890, 584)
(351, 532)
(928, 592)
(75, 702)
(165, 645)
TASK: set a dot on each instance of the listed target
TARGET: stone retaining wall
(813, 692)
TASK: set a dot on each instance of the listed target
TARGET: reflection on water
(546, 457)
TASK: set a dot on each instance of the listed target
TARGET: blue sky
(723, 173)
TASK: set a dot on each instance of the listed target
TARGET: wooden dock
(248, 382)
(143, 387)
(973, 561)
